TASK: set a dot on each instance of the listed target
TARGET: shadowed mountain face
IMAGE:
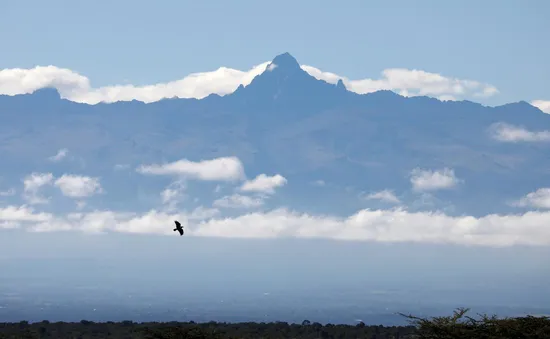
(288, 122)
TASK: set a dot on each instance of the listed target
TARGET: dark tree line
(447, 327)
(189, 330)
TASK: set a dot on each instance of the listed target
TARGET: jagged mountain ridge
(286, 78)
(286, 121)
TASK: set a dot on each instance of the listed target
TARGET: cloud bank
(395, 225)
(410, 83)
(76, 87)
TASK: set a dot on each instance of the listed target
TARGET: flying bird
(178, 227)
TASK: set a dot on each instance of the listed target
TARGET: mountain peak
(340, 85)
(285, 61)
(47, 92)
(286, 84)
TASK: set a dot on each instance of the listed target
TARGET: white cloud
(32, 184)
(410, 83)
(543, 105)
(80, 204)
(9, 224)
(319, 183)
(93, 222)
(395, 225)
(77, 186)
(119, 167)
(537, 199)
(445, 97)
(509, 133)
(22, 213)
(384, 195)
(219, 169)
(169, 194)
(428, 180)
(8, 193)
(173, 194)
(202, 213)
(238, 201)
(263, 183)
(154, 222)
(76, 87)
(62, 153)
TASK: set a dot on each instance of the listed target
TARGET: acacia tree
(460, 326)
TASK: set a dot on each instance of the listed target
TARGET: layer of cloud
(62, 153)
(238, 201)
(219, 169)
(543, 105)
(510, 133)
(264, 184)
(384, 195)
(32, 185)
(411, 83)
(77, 186)
(395, 225)
(432, 180)
(12, 216)
(76, 87)
(537, 199)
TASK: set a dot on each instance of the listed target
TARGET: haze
(330, 162)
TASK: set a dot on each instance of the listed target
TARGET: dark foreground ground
(456, 326)
(130, 329)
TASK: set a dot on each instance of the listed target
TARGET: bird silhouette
(178, 227)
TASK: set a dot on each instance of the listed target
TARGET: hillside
(287, 122)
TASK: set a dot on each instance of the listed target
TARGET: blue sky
(141, 42)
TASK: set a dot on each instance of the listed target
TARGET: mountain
(289, 123)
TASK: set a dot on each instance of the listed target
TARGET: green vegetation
(448, 327)
(461, 326)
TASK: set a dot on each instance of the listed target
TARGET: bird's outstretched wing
(178, 227)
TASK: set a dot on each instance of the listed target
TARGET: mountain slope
(285, 121)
